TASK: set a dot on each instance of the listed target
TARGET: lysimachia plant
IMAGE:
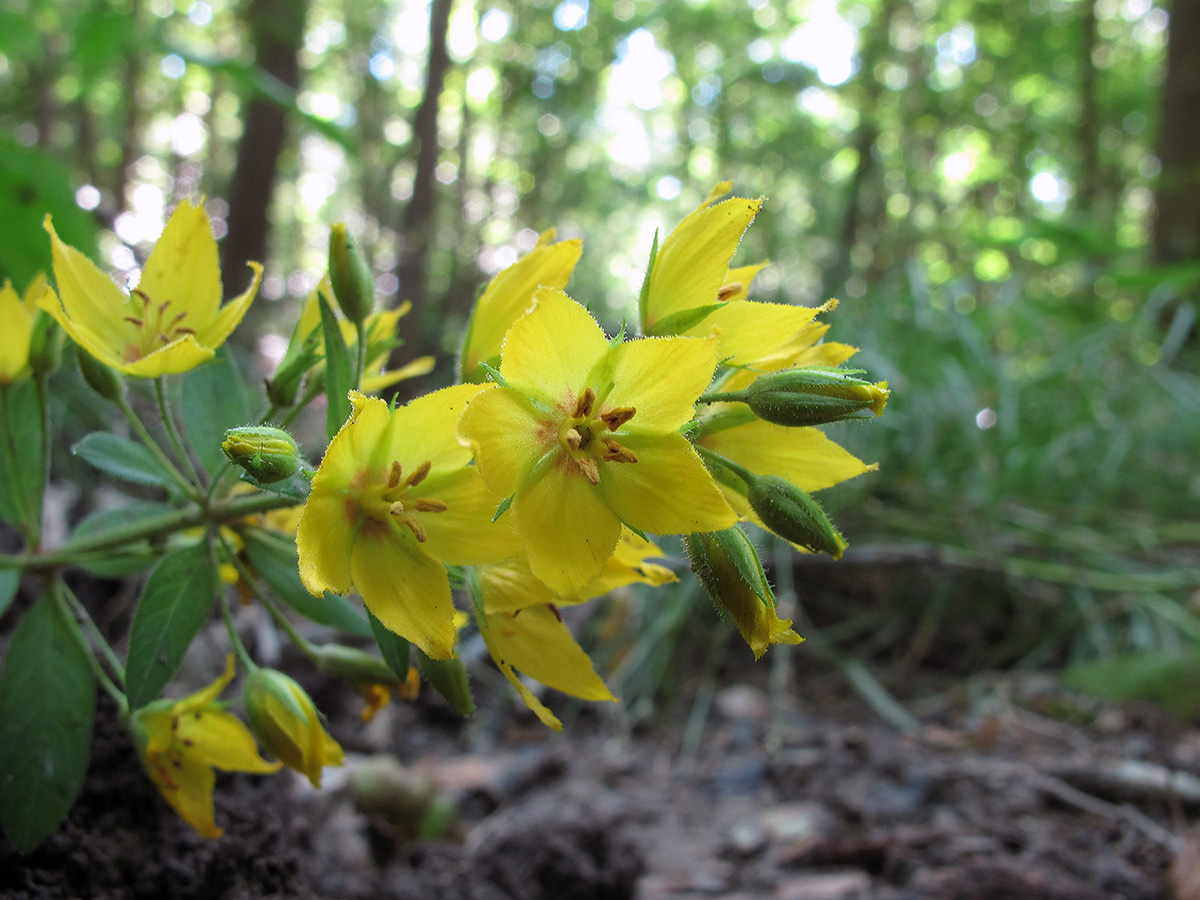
(539, 480)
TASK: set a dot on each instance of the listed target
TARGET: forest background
(1004, 196)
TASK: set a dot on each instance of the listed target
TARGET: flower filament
(585, 435)
(386, 501)
(155, 325)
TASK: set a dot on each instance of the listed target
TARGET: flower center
(156, 323)
(586, 435)
(390, 501)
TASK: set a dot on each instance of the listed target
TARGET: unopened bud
(729, 568)
(269, 454)
(793, 515)
(350, 276)
(45, 345)
(287, 722)
(813, 396)
(449, 678)
(283, 388)
(105, 381)
(353, 665)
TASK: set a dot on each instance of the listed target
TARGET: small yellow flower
(394, 501)
(286, 721)
(511, 585)
(16, 328)
(584, 436)
(509, 295)
(693, 291)
(535, 642)
(171, 322)
(181, 741)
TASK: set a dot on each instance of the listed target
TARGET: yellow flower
(511, 584)
(16, 328)
(181, 741)
(380, 327)
(693, 291)
(393, 500)
(171, 322)
(286, 721)
(535, 642)
(509, 295)
(584, 436)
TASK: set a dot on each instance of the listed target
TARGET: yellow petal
(324, 540)
(221, 739)
(464, 534)
(422, 365)
(535, 641)
(427, 430)
(16, 329)
(208, 694)
(803, 456)
(749, 331)
(507, 436)
(178, 356)
(737, 281)
(187, 784)
(661, 378)
(549, 352)
(405, 589)
(667, 491)
(88, 302)
(357, 452)
(694, 259)
(183, 267)
(231, 314)
(628, 565)
(510, 585)
(568, 529)
(510, 293)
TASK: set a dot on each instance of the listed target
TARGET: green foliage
(214, 400)
(20, 449)
(173, 608)
(122, 458)
(47, 699)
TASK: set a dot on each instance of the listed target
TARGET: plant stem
(164, 410)
(63, 609)
(150, 527)
(151, 444)
(89, 624)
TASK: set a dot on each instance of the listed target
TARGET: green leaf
(20, 472)
(128, 558)
(1167, 678)
(175, 605)
(644, 293)
(338, 372)
(36, 183)
(47, 700)
(678, 323)
(274, 558)
(214, 399)
(121, 458)
(295, 488)
(10, 582)
(395, 649)
(449, 678)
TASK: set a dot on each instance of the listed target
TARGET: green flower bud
(449, 678)
(793, 514)
(813, 396)
(268, 454)
(283, 388)
(729, 568)
(105, 381)
(353, 665)
(45, 345)
(285, 719)
(350, 276)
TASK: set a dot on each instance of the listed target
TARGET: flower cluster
(540, 480)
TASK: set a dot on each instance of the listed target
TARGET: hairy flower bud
(813, 396)
(268, 454)
(288, 724)
(105, 381)
(793, 515)
(350, 276)
(729, 568)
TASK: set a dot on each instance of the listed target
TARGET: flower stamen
(618, 416)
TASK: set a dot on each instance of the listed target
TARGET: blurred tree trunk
(277, 31)
(1177, 208)
(1089, 118)
(412, 268)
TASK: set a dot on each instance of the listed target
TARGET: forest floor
(809, 796)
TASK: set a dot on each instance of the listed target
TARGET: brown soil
(814, 800)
